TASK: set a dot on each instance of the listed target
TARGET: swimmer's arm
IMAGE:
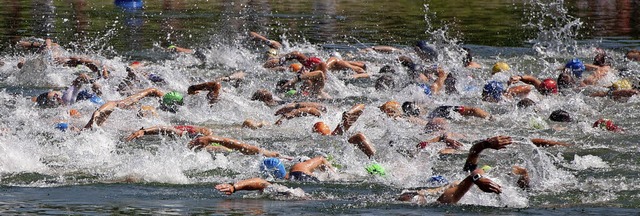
(439, 83)
(207, 86)
(292, 106)
(235, 76)
(523, 181)
(360, 141)
(476, 112)
(348, 119)
(247, 184)
(271, 43)
(244, 148)
(531, 80)
(596, 76)
(385, 49)
(150, 92)
(453, 194)
(298, 113)
(547, 143)
(623, 93)
(600, 94)
(100, 116)
(518, 91)
(154, 130)
(360, 76)
(498, 142)
(180, 50)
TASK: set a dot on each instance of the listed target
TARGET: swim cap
(291, 92)
(494, 89)
(295, 67)
(155, 78)
(172, 98)
(172, 47)
(312, 62)
(273, 167)
(486, 168)
(410, 108)
(606, 124)
(272, 52)
(525, 102)
(375, 169)
(96, 100)
(560, 116)
(301, 159)
(426, 51)
(321, 128)
(499, 67)
(548, 86)
(74, 113)
(576, 66)
(384, 82)
(621, 84)
(62, 126)
(436, 181)
(426, 89)
(84, 95)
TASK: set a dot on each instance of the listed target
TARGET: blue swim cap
(155, 78)
(273, 167)
(426, 89)
(62, 126)
(494, 89)
(96, 100)
(436, 181)
(84, 95)
(576, 66)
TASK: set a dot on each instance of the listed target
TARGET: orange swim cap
(391, 108)
(295, 67)
(321, 128)
(74, 113)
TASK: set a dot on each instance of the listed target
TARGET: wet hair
(387, 69)
(601, 58)
(410, 109)
(384, 82)
(450, 84)
(526, 102)
(560, 116)
(468, 58)
(565, 80)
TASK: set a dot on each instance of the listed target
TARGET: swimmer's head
(526, 102)
(387, 69)
(436, 181)
(606, 124)
(426, 51)
(273, 167)
(272, 53)
(62, 126)
(601, 58)
(621, 85)
(565, 81)
(548, 86)
(49, 99)
(575, 66)
(391, 108)
(384, 82)
(295, 67)
(493, 91)
(500, 67)
(264, 96)
(560, 116)
(375, 169)
(172, 98)
(411, 109)
(312, 62)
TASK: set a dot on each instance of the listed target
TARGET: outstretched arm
(154, 130)
(547, 143)
(292, 106)
(363, 144)
(212, 87)
(271, 43)
(498, 142)
(298, 113)
(133, 99)
(247, 184)
(244, 148)
(475, 112)
(100, 116)
(348, 119)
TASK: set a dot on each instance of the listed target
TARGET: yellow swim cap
(621, 84)
(499, 67)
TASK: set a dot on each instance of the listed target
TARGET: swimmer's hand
(135, 135)
(198, 143)
(485, 184)
(514, 79)
(498, 142)
(227, 189)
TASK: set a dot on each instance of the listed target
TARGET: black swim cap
(526, 102)
(410, 109)
(560, 116)
(384, 82)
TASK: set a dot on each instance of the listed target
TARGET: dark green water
(47, 172)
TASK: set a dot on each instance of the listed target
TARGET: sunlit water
(46, 171)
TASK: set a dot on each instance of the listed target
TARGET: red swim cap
(548, 86)
(312, 62)
(606, 124)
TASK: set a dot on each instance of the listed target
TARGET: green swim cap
(172, 98)
(171, 47)
(486, 168)
(291, 92)
(375, 169)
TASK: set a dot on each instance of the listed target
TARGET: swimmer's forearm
(251, 184)
(546, 143)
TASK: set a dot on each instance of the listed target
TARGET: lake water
(46, 171)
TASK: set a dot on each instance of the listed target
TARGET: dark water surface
(72, 174)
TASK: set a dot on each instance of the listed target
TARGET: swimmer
(58, 55)
(300, 109)
(262, 39)
(302, 171)
(313, 84)
(607, 124)
(618, 91)
(133, 81)
(467, 60)
(53, 99)
(495, 91)
(169, 102)
(335, 62)
(633, 55)
(207, 142)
